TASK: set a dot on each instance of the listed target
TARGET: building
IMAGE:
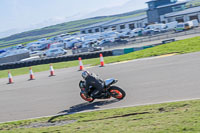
(157, 8)
(159, 11)
(117, 24)
(130, 23)
(182, 16)
(96, 27)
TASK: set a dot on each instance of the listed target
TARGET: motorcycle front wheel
(117, 92)
(84, 97)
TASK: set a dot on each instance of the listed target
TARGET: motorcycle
(107, 92)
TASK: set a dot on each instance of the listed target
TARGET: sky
(19, 15)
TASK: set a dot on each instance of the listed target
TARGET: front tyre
(117, 92)
(84, 97)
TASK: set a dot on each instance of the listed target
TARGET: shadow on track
(83, 107)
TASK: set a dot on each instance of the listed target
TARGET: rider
(94, 81)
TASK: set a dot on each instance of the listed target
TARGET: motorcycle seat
(109, 82)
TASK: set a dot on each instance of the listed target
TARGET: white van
(171, 25)
(195, 23)
(156, 27)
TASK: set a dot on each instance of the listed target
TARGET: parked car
(188, 26)
(151, 31)
(96, 49)
(191, 24)
(103, 42)
(57, 45)
(55, 52)
(180, 27)
(124, 34)
(38, 46)
(36, 53)
(136, 32)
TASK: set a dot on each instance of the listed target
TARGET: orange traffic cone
(101, 60)
(80, 64)
(31, 74)
(10, 79)
(51, 70)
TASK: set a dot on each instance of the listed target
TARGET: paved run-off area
(150, 80)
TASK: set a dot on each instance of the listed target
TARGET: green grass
(177, 117)
(178, 47)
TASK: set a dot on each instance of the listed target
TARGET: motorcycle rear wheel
(117, 92)
(84, 97)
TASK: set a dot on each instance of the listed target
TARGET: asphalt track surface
(146, 81)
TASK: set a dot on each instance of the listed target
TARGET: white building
(182, 16)
(117, 24)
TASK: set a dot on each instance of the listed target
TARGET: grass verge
(177, 117)
(178, 47)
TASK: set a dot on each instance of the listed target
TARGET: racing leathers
(96, 82)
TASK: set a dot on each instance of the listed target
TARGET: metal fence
(166, 35)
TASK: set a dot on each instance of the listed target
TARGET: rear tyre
(117, 92)
(84, 97)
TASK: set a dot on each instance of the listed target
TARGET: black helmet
(85, 74)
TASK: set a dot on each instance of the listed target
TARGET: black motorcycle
(107, 92)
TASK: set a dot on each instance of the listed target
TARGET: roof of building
(173, 4)
(187, 11)
(121, 21)
(99, 24)
(151, 1)
(115, 22)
